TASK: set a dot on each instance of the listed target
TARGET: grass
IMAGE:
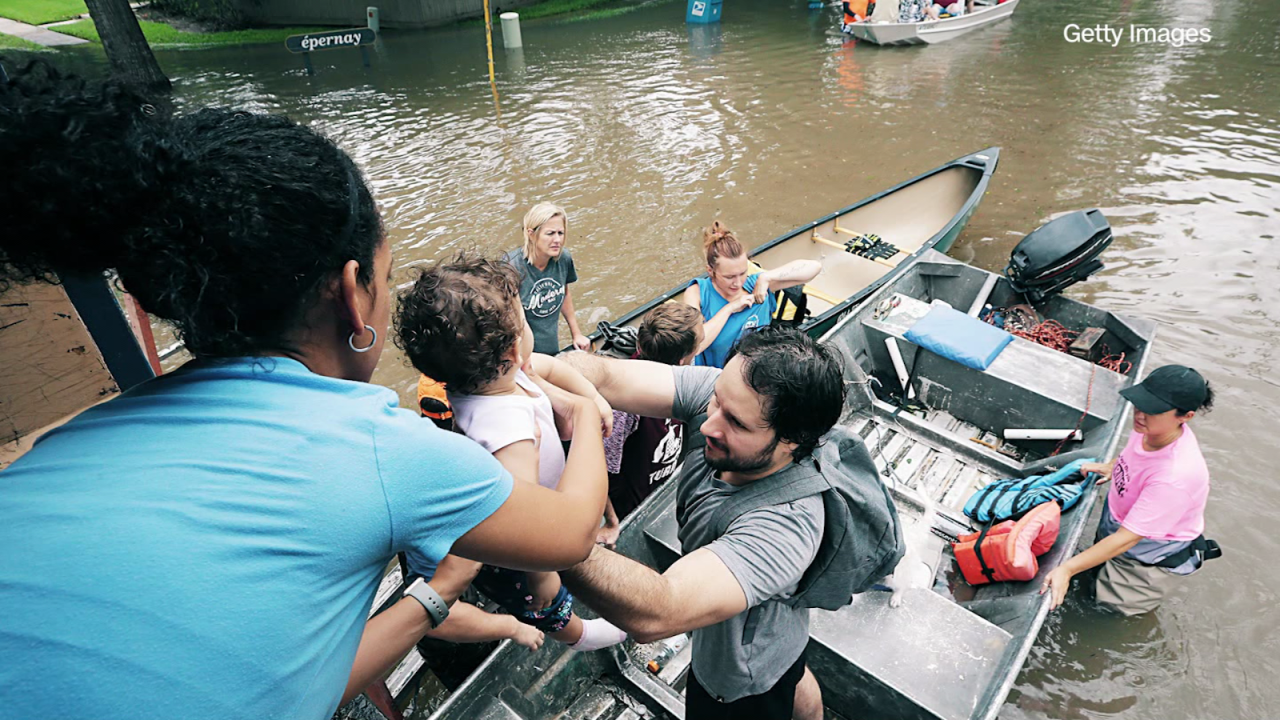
(39, 12)
(9, 42)
(161, 35)
(552, 8)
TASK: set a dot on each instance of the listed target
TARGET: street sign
(330, 40)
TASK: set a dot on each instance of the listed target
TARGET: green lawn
(161, 35)
(39, 12)
(9, 42)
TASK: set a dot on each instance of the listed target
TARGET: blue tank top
(738, 324)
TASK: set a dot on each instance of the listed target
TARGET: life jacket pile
(1008, 550)
(1009, 498)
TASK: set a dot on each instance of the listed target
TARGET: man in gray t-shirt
(761, 416)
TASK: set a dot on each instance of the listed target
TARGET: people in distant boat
(461, 323)
(546, 271)
(733, 300)
(936, 10)
(642, 452)
(1151, 531)
(911, 11)
(228, 523)
(855, 11)
(757, 421)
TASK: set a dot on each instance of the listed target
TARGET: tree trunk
(127, 50)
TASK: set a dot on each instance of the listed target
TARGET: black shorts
(776, 703)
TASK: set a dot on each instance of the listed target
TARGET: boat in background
(930, 32)
(924, 213)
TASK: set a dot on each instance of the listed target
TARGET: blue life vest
(1010, 498)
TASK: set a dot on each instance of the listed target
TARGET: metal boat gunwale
(985, 160)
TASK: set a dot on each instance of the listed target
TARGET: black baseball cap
(1168, 388)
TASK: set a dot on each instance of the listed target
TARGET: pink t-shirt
(496, 421)
(1161, 495)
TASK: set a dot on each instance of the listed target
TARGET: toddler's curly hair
(460, 319)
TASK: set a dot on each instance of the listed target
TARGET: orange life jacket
(433, 402)
(1008, 550)
(855, 11)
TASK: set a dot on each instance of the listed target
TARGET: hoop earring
(351, 341)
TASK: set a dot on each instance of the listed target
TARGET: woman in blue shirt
(732, 301)
(208, 544)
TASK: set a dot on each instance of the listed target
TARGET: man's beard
(729, 463)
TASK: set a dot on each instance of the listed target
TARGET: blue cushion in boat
(956, 336)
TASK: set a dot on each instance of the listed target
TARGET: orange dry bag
(1008, 550)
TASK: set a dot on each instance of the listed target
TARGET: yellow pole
(488, 41)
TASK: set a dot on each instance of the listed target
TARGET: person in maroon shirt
(643, 452)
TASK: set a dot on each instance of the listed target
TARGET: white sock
(598, 633)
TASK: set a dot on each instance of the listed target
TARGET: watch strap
(437, 609)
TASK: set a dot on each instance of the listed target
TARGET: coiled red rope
(1021, 321)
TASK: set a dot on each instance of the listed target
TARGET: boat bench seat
(1028, 385)
(929, 649)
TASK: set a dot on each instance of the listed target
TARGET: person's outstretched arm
(697, 591)
(390, 635)
(634, 386)
(1113, 545)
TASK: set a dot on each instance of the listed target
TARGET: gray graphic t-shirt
(542, 294)
(767, 550)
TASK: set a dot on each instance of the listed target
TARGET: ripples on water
(646, 129)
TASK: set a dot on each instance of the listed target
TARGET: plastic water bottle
(667, 649)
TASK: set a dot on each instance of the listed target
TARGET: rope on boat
(1023, 322)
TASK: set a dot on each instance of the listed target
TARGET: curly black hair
(460, 319)
(226, 223)
(801, 380)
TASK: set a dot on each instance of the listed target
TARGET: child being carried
(462, 324)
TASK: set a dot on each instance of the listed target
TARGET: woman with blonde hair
(734, 301)
(546, 271)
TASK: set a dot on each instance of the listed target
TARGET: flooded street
(646, 129)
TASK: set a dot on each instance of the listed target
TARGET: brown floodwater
(646, 129)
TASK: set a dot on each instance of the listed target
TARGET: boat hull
(950, 652)
(931, 32)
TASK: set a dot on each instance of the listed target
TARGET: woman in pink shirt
(1152, 525)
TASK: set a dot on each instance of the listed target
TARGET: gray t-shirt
(542, 294)
(767, 550)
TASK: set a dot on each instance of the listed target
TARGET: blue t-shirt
(738, 324)
(208, 544)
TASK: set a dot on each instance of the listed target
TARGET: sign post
(331, 40)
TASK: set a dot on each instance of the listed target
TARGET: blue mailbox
(704, 11)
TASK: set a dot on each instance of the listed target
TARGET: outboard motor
(1059, 254)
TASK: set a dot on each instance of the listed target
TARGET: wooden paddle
(819, 239)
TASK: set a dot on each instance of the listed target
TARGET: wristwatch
(437, 609)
